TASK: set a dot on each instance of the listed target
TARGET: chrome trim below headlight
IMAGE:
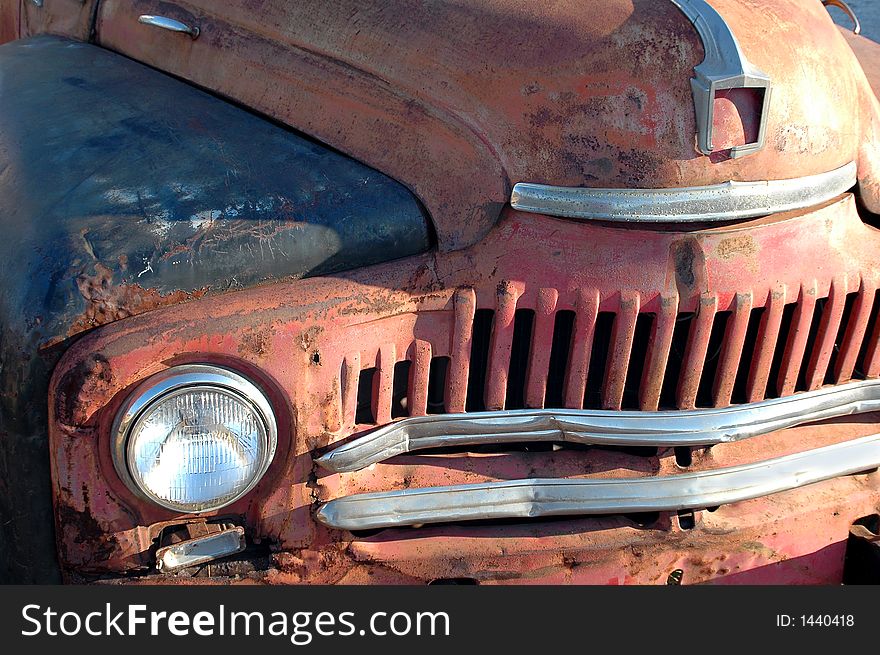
(718, 202)
(564, 497)
(699, 427)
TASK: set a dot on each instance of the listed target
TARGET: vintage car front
(475, 292)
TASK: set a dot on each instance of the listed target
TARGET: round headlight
(194, 438)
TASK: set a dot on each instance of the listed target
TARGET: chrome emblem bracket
(724, 66)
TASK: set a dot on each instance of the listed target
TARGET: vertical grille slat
(542, 339)
(351, 371)
(855, 332)
(732, 350)
(695, 353)
(419, 376)
(464, 303)
(586, 315)
(621, 347)
(599, 353)
(659, 348)
(768, 335)
(796, 343)
(829, 327)
(502, 341)
(383, 384)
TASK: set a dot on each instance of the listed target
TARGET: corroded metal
(505, 95)
(604, 101)
(308, 355)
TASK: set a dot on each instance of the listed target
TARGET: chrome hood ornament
(724, 66)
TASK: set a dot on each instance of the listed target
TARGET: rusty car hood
(113, 207)
(461, 100)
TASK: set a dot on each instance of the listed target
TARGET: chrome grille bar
(564, 497)
(719, 202)
(604, 427)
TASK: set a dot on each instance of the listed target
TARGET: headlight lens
(194, 438)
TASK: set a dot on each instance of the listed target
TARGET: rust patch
(92, 377)
(255, 344)
(307, 339)
(107, 302)
(82, 528)
(743, 244)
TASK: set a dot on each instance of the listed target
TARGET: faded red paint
(306, 341)
(460, 102)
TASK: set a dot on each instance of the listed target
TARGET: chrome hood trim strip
(724, 66)
(719, 202)
(604, 427)
(564, 497)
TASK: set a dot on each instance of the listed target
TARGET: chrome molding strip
(718, 202)
(566, 497)
(845, 8)
(604, 427)
(165, 23)
(724, 66)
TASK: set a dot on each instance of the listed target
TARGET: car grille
(622, 353)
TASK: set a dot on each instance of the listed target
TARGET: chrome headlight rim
(179, 379)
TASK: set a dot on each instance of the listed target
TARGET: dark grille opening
(684, 457)
(841, 332)
(560, 352)
(437, 385)
(400, 389)
(637, 358)
(819, 310)
(598, 359)
(713, 354)
(482, 340)
(784, 330)
(540, 447)
(364, 413)
(740, 384)
(861, 368)
(643, 520)
(521, 346)
(686, 519)
(495, 448)
(680, 333)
